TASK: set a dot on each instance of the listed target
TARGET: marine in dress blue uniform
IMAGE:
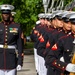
(63, 48)
(10, 39)
(34, 36)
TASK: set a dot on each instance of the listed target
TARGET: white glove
(70, 67)
(62, 59)
(19, 68)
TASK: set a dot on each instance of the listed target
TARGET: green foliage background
(27, 11)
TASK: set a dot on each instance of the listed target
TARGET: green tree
(27, 12)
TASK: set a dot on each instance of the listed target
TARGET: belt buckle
(5, 46)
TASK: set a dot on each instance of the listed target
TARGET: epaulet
(49, 30)
(63, 37)
(15, 23)
(40, 26)
(55, 32)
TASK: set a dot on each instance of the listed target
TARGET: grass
(28, 48)
(29, 45)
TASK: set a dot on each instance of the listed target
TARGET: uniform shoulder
(16, 23)
(56, 31)
(66, 36)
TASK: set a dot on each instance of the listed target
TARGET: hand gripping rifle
(73, 56)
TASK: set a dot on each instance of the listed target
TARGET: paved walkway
(28, 67)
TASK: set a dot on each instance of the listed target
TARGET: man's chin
(6, 20)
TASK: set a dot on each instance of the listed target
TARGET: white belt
(8, 46)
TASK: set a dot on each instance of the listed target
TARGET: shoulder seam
(64, 36)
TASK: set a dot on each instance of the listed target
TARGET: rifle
(52, 4)
(62, 4)
(70, 6)
(73, 58)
